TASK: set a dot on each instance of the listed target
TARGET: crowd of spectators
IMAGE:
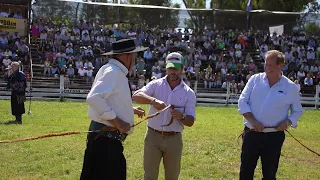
(302, 54)
(216, 58)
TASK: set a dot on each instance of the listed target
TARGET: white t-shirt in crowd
(81, 72)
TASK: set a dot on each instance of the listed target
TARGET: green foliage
(57, 10)
(210, 148)
(313, 29)
(271, 5)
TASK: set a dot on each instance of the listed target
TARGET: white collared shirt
(270, 105)
(110, 95)
(182, 95)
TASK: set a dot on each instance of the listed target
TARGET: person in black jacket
(17, 84)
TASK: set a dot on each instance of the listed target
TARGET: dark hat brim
(137, 49)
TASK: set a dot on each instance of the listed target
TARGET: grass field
(211, 149)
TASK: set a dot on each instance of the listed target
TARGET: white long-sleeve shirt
(268, 105)
(110, 95)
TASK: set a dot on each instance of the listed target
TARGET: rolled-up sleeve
(100, 91)
(148, 89)
(190, 107)
(243, 102)
(295, 107)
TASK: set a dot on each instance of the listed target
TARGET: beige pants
(167, 147)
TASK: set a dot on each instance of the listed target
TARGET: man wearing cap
(164, 138)
(111, 112)
(17, 83)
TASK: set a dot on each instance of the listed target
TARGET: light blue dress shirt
(268, 105)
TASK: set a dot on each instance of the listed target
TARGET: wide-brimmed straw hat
(124, 46)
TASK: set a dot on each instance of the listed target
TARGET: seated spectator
(4, 14)
(141, 67)
(89, 74)
(157, 74)
(47, 69)
(141, 81)
(17, 15)
(5, 62)
(82, 72)
(43, 37)
(147, 55)
(308, 81)
(301, 75)
(3, 41)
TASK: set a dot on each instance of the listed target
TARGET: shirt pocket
(281, 99)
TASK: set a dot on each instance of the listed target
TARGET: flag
(249, 5)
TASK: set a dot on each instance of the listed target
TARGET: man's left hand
(176, 114)
(139, 111)
(283, 125)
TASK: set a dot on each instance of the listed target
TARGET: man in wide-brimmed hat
(110, 109)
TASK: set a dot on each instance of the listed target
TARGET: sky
(183, 6)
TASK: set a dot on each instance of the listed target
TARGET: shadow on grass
(10, 122)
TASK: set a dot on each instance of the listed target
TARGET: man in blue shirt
(264, 104)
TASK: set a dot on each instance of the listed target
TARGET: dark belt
(107, 131)
(164, 133)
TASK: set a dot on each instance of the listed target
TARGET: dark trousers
(19, 118)
(265, 145)
(103, 159)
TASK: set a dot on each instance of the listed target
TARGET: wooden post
(61, 86)
(228, 93)
(317, 96)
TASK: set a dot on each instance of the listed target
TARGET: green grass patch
(211, 149)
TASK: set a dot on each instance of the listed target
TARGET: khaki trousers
(156, 147)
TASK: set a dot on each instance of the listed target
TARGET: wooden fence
(203, 99)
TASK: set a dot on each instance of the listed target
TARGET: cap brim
(138, 49)
(173, 65)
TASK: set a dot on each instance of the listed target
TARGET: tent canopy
(16, 2)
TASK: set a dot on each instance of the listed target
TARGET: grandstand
(233, 48)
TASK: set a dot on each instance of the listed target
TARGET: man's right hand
(121, 125)
(257, 125)
(159, 105)
(124, 127)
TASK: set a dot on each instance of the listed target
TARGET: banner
(8, 24)
(277, 29)
(13, 25)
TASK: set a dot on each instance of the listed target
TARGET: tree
(313, 29)
(199, 18)
(57, 10)
(270, 5)
(155, 17)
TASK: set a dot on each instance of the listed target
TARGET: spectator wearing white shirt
(87, 64)
(89, 74)
(265, 103)
(43, 37)
(311, 55)
(157, 74)
(69, 50)
(4, 14)
(5, 62)
(301, 75)
(308, 81)
(82, 72)
(237, 46)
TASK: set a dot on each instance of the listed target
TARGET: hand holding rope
(76, 132)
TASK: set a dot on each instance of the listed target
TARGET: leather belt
(94, 126)
(164, 133)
